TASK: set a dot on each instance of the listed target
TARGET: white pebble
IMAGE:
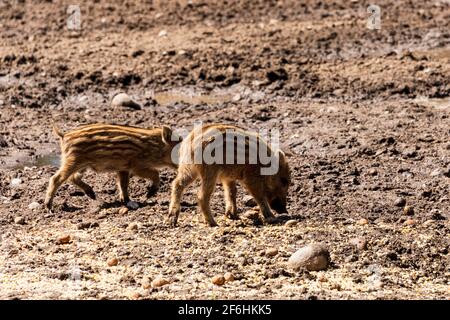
(16, 182)
(133, 205)
(436, 172)
(34, 205)
(124, 100)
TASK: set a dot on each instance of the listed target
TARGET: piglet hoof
(271, 220)
(171, 221)
(48, 206)
(49, 210)
(212, 223)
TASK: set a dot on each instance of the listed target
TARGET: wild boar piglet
(230, 154)
(112, 148)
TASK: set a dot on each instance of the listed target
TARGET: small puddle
(437, 103)
(51, 159)
(167, 98)
(436, 53)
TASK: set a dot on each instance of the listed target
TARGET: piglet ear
(281, 155)
(166, 135)
(286, 151)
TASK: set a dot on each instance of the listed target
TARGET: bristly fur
(57, 132)
(269, 191)
(105, 147)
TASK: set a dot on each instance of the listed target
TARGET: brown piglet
(112, 148)
(216, 153)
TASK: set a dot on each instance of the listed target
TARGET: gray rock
(124, 100)
(249, 201)
(313, 257)
(437, 172)
(87, 225)
(351, 258)
(408, 210)
(133, 205)
(34, 205)
(359, 243)
(400, 202)
(19, 220)
(440, 172)
(16, 182)
(291, 223)
(3, 143)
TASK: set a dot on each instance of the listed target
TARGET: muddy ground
(365, 114)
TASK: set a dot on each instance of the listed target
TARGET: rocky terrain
(363, 113)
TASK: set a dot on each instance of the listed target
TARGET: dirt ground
(365, 114)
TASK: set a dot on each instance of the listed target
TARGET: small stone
(362, 222)
(83, 99)
(159, 282)
(428, 222)
(133, 226)
(336, 286)
(409, 211)
(249, 201)
(63, 239)
(3, 143)
(146, 283)
(351, 258)
(133, 205)
(113, 262)
(124, 100)
(375, 282)
(251, 214)
(162, 33)
(16, 182)
(123, 210)
(271, 252)
(19, 220)
(314, 257)
(400, 202)
(291, 223)
(228, 276)
(34, 205)
(135, 296)
(373, 172)
(87, 225)
(410, 222)
(322, 278)
(137, 53)
(218, 280)
(437, 172)
(273, 21)
(236, 98)
(359, 243)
